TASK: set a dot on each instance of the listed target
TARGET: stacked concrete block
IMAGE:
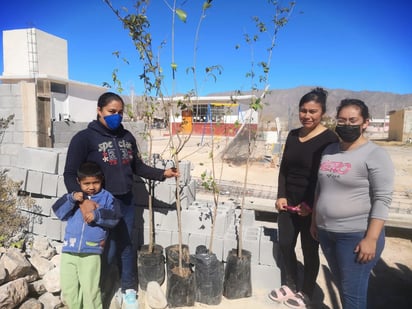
(175, 238)
(269, 250)
(184, 169)
(165, 194)
(195, 240)
(36, 159)
(61, 187)
(54, 228)
(18, 174)
(265, 277)
(61, 161)
(34, 182)
(188, 194)
(49, 184)
(217, 246)
(42, 206)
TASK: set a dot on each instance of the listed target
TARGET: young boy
(84, 239)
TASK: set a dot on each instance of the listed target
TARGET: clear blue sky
(353, 44)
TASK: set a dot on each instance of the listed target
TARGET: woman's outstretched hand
(171, 172)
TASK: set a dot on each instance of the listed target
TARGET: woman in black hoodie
(114, 149)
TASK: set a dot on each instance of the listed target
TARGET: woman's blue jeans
(120, 246)
(352, 277)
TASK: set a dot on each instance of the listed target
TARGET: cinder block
(63, 229)
(163, 238)
(18, 137)
(187, 196)
(54, 228)
(49, 185)
(61, 187)
(217, 247)
(184, 169)
(164, 194)
(61, 162)
(40, 228)
(248, 218)
(265, 277)
(17, 174)
(169, 221)
(251, 242)
(175, 238)
(5, 160)
(42, 206)
(38, 160)
(196, 240)
(196, 220)
(268, 251)
(34, 181)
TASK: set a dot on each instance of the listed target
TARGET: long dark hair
(317, 95)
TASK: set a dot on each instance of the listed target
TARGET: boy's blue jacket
(81, 237)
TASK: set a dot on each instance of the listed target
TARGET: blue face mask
(113, 121)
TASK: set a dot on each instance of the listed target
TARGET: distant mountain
(283, 103)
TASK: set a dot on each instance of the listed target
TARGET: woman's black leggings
(289, 227)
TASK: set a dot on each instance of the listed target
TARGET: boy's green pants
(79, 280)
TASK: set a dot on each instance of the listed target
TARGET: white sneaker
(130, 299)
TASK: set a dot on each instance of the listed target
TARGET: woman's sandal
(281, 294)
(298, 301)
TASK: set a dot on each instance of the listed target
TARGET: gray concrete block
(164, 194)
(188, 195)
(42, 206)
(61, 161)
(51, 203)
(5, 160)
(169, 222)
(248, 216)
(63, 229)
(49, 185)
(185, 169)
(163, 238)
(17, 174)
(12, 150)
(196, 220)
(251, 242)
(34, 181)
(40, 228)
(195, 240)
(54, 228)
(268, 252)
(61, 187)
(265, 277)
(18, 138)
(19, 125)
(38, 159)
(175, 239)
(217, 247)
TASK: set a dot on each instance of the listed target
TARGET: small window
(59, 88)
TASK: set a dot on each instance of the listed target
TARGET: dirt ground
(391, 281)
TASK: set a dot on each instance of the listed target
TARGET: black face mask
(348, 133)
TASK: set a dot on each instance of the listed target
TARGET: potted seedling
(237, 280)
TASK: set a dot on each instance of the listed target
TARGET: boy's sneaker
(130, 299)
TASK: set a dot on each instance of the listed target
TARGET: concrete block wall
(196, 229)
(11, 139)
(44, 181)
